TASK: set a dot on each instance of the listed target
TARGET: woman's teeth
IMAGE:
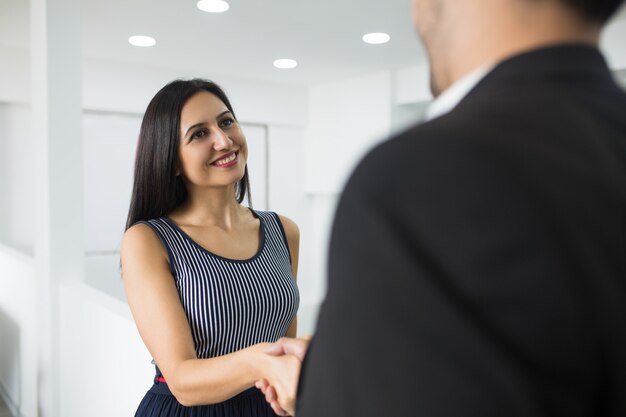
(226, 160)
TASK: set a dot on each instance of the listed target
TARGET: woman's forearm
(209, 381)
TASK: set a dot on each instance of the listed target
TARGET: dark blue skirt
(159, 402)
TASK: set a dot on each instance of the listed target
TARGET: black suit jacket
(478, 261)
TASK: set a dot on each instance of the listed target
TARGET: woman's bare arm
(293, 240)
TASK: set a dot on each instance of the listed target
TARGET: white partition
(18, 333)
(256, 136)
(17, 177)
(346, 119)
(105, 368)
(109, 142)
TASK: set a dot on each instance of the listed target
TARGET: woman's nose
(221, 141)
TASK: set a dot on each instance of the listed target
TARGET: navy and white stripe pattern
(232, 304)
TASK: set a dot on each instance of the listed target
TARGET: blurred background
(72, 93)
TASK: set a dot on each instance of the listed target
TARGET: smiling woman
(212, 143)
(211, 283)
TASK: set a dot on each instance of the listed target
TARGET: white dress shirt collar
(453, 95)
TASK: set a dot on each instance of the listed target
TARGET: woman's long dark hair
(157, 190)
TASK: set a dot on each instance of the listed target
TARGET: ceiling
(324, 36)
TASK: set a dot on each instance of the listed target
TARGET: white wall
(411, 96)
(14, 75)
(105, 367)
(128, 88)
(346, 119)
(613, 44)
(287, 197)
(412, 85)
(17, 177)
(109, 143)
(18, 338)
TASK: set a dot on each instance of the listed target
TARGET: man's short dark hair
(596, 10)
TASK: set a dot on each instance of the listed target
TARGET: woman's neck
(210, 207)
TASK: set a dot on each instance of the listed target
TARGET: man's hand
(290, 346)
(283, 403)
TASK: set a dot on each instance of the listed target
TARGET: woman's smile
(227, 161)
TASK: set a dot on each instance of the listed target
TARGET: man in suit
(478, 260)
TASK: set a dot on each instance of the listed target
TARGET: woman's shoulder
(138, 229)
(141, 237)
(291, 228)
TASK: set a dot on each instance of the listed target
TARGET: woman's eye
(198, 134)
(228, 122)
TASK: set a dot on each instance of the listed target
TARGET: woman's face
(213, 150)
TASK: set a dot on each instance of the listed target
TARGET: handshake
(280, 383)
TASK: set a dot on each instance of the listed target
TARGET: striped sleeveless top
(232, 304)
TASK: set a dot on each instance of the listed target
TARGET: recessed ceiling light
(285, 63)
(213, 6)
(376, 38)
(144, 41)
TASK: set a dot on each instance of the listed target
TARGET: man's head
(595, 10)
(462, 35)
